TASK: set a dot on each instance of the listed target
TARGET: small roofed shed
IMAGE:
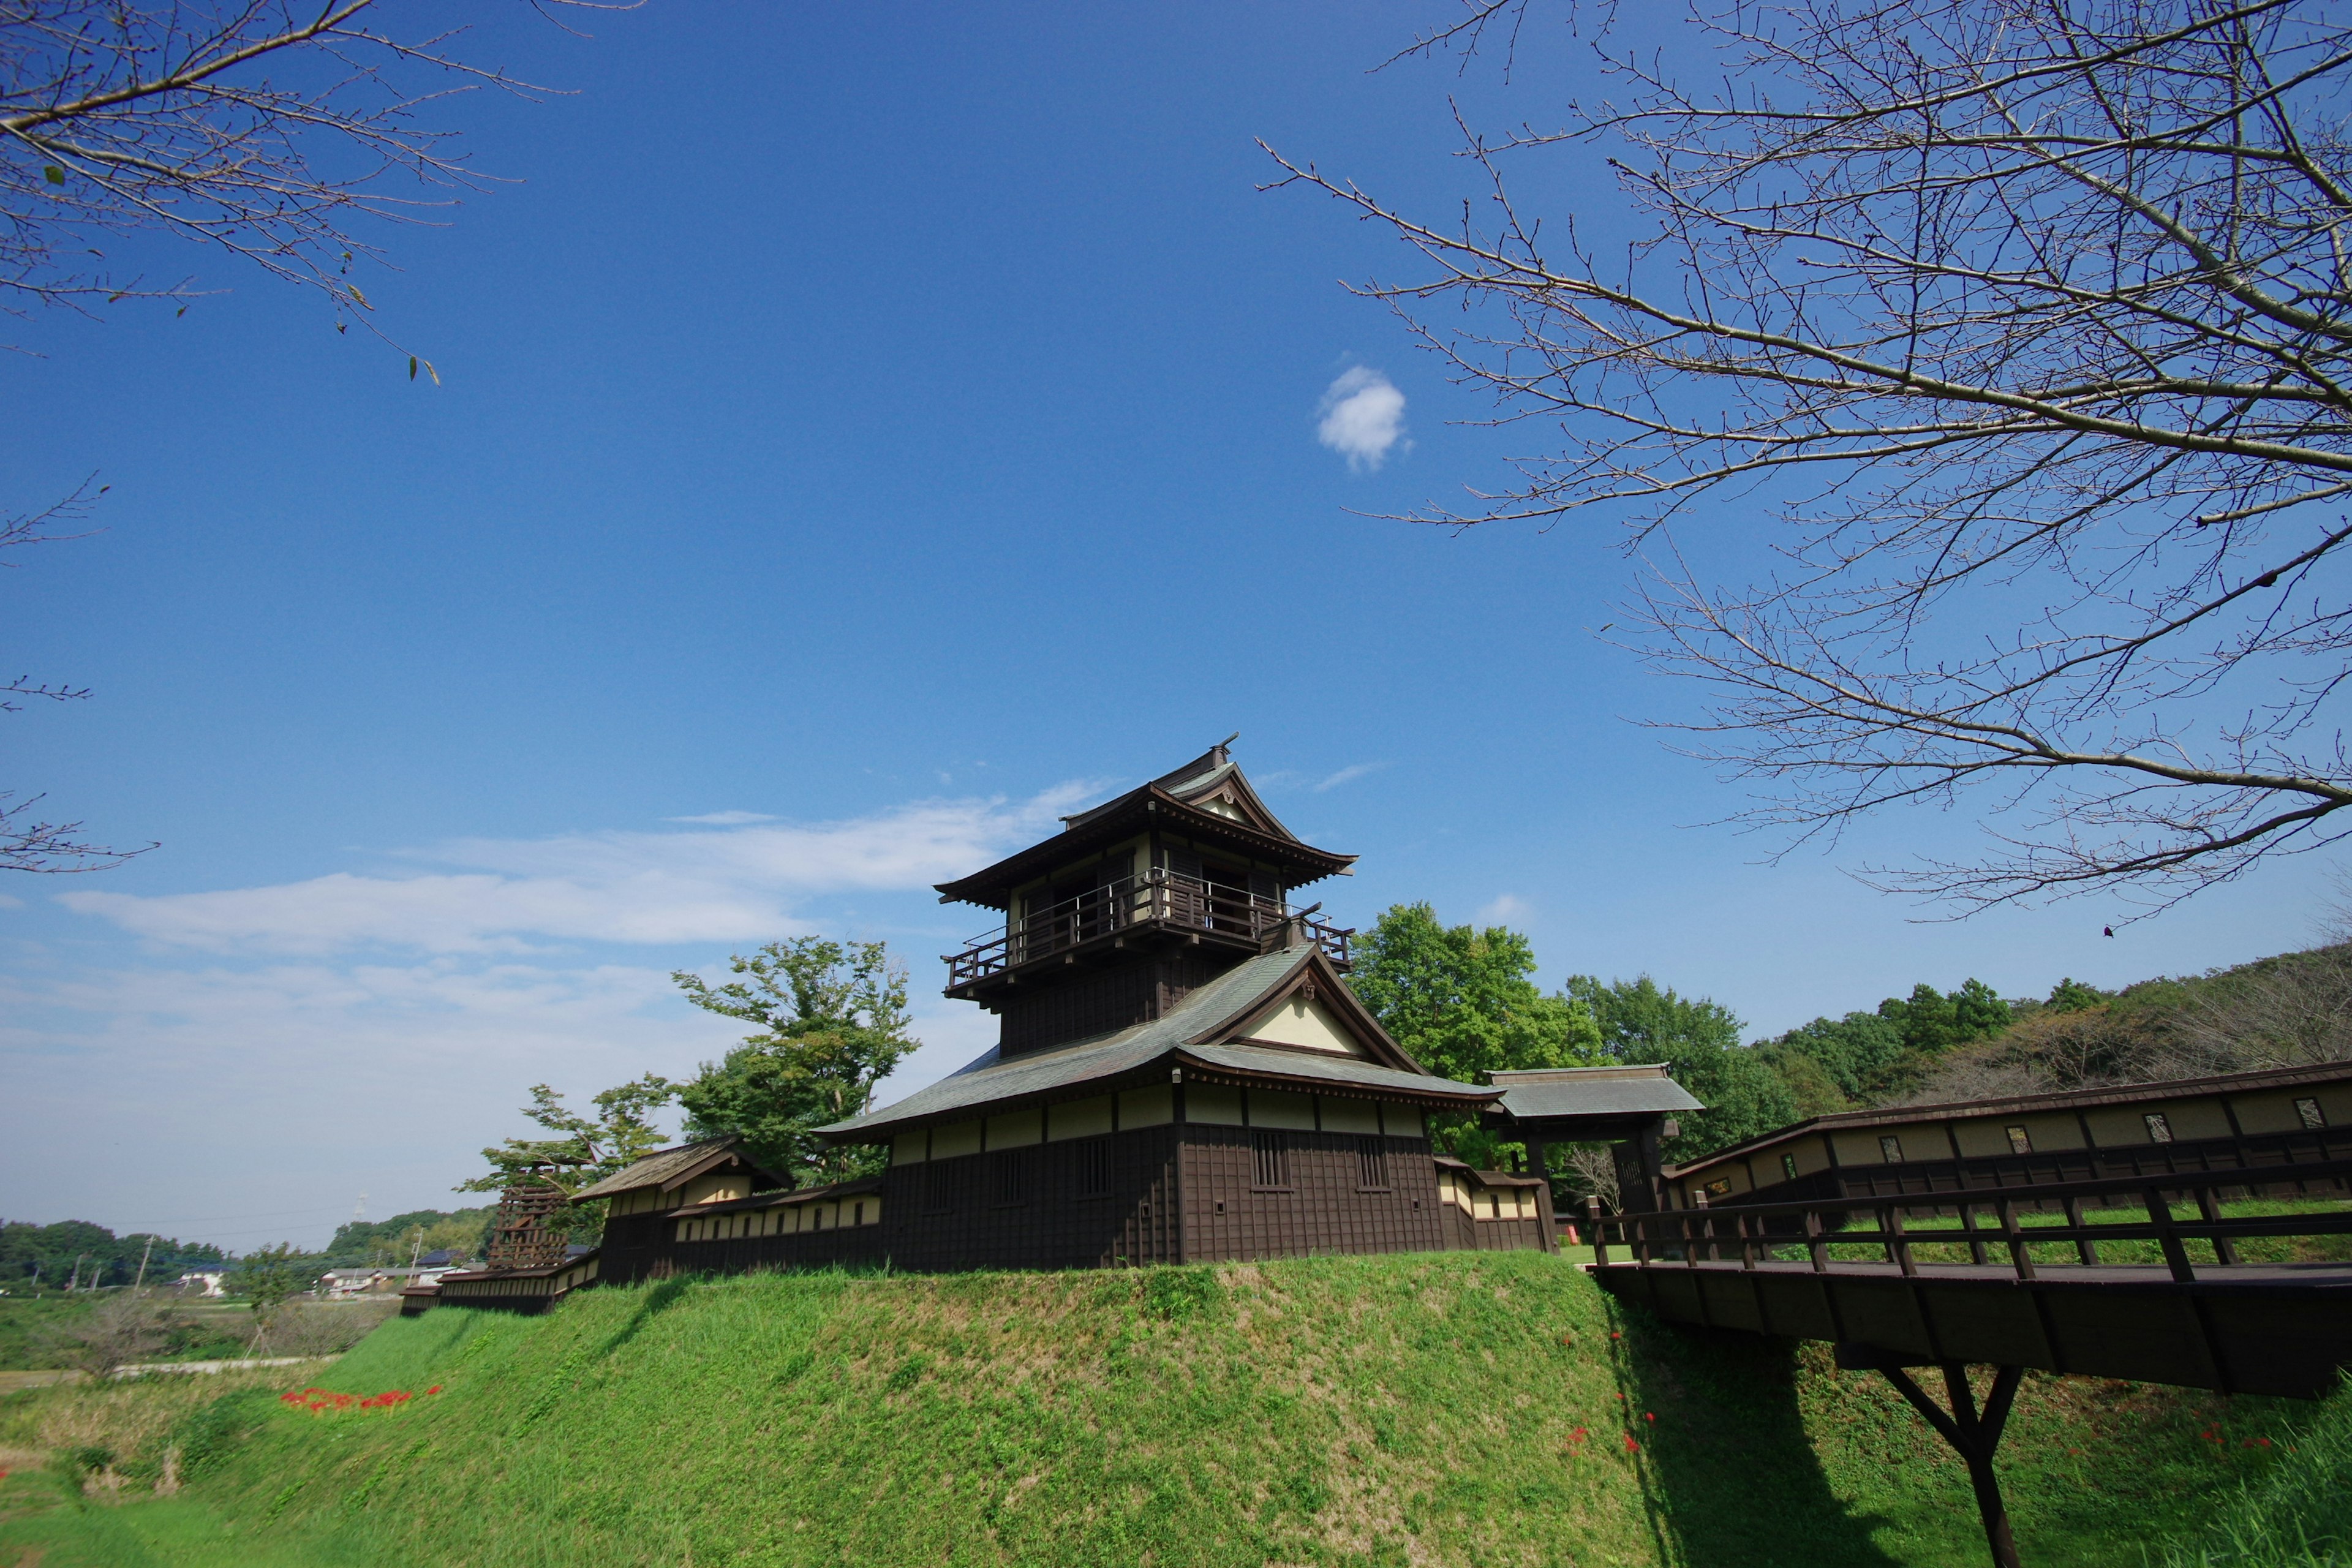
(1630, 1106)
(639, 1198)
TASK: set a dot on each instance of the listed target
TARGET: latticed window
(2308, 1112)
(1094, 1167)
(1371, 1163)
(1008, 1176)
(1890, 1149)
(1788, 1167)
(938, 1189)
(2160, 1130)
(1271, 1153)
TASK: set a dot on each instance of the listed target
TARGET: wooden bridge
(1960, 1277)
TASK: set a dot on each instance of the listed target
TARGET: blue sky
(863, 436)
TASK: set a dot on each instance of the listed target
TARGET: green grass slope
(1456, 1408)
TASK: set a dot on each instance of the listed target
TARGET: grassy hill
(1454, 1408)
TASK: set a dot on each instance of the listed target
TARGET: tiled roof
(1592, 1091)
(1205, 1010)
(658, 1169)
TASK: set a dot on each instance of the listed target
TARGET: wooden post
(2086, 1249)
(2224, 1249)
(1974, 1436)
(1600, 1237)
(2019, 1258)
(2160, 1214)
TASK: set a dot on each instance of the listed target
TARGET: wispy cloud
(1363, 418)
(502, 895)
(722, 819)
(1504, 909)
(1347, 775)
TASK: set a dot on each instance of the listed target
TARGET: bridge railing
(1985, 1224)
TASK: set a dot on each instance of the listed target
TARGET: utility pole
(75, 1283)
(146, 1253)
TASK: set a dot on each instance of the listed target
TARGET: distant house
(342, 1284)
(204, 1282)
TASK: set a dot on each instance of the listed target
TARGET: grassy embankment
(1367, 1411)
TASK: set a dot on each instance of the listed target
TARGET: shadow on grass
(658, 1299)
(1729, 1478)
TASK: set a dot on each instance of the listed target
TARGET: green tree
(2072, 995)
(585, 1150)
(831, 1023)
(1860, 1053)
(1698, 1041)
(267, 1277)
(1461, 1003)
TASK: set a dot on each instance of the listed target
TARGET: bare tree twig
(2025, 327)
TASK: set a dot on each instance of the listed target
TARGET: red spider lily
(1615, 1335)
(435, 1389)
(1649, 1415)
(1631, 1446)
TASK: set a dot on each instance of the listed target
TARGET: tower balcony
(1160, 906)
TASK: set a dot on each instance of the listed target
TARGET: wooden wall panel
(1323, 1210)
(946, 1214)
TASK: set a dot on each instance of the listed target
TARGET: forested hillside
(2281, 1011)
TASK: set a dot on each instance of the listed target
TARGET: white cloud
(1348, 774)
(1503, 911)
(372, 1032)
(721, 885)
(722, 819)
(1363, 418)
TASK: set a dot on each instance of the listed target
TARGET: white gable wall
(1310, 1025)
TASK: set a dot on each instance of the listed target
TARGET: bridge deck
(2236, 1324)
(2280, 1328)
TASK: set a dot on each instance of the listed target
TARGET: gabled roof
(1197, 1033)
(668, 1167)
(1612, 1091)
(1182, 802)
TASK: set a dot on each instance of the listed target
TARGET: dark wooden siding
(1087, 1005)
(1031, 1209)
(634, 1246)
(1322, 1206)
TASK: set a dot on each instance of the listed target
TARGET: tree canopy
(1462, 1001)
(1698, 1040)
(586, 1150)
(831, 1023)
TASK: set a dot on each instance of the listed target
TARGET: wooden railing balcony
(1159, 898)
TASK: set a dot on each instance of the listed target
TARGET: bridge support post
(1974, 1434)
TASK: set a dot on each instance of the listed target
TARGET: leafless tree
(2019, 332)
(280, 132)
(1593, 1170)
(127, 1326)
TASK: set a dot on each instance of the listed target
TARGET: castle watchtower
(1136, 903)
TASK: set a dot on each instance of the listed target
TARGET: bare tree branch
(278, 130)
(2026, 329)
